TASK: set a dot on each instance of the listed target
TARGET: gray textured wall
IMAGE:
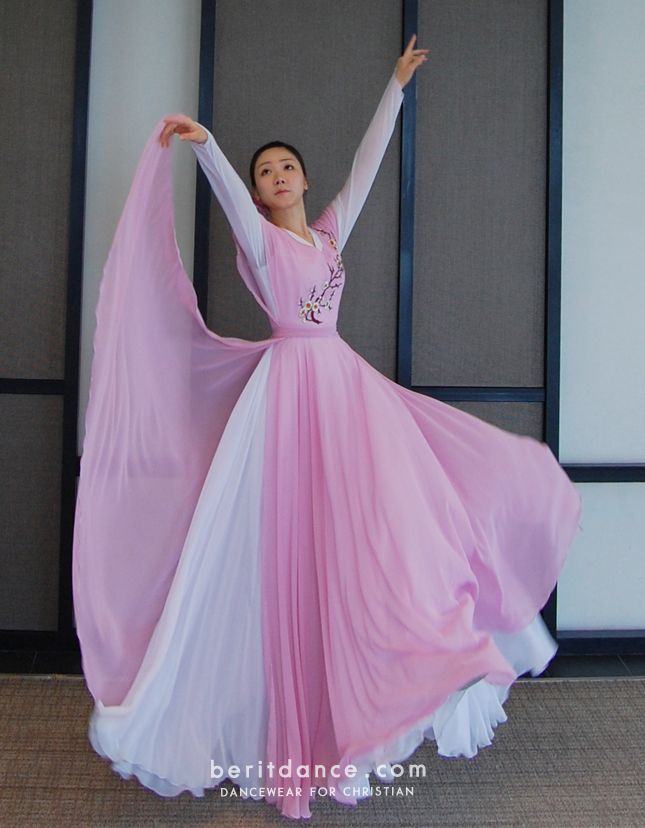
(311, 74)
(479, 289)
(37, 45)
(312, 77)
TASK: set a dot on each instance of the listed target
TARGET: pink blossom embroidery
(311, 307)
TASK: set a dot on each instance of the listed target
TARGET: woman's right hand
(185, 127)
(410, 61)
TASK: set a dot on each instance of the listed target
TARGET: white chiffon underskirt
(462, 725)
(200, 695)
(466, 721)
(201, 682)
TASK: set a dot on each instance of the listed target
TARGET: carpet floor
(571, 754)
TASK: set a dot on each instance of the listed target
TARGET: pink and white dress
(280, 555)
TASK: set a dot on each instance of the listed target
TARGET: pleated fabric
(399, 535)
(162, 388)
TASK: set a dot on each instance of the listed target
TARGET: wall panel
(481, 194)
(311, 75)
(518, 417)
(603, 582)
(37, 72)
(30, 452)
(603, 217)
(37, 81)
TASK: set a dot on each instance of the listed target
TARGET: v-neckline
(314, 236)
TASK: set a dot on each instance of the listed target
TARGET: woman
(284, 561)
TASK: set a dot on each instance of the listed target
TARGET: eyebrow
(282, 159)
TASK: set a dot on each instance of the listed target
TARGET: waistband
(308, 330)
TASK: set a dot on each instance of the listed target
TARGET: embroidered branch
(310, 308)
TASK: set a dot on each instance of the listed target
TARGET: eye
(265, 170)
(290, 166)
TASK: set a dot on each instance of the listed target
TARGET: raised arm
(349, 202)
(233, 195)
(228, 187)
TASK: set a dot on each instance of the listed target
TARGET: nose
(279, 179)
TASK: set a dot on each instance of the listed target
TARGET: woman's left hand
(185, 127)
(410, 61)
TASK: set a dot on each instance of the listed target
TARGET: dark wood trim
(605, 472)
(410, 25)
(24, 385)
(73, 316)
(553, 229)
(202, 187)
(601, 642)
(43, 640)
(552, 318)
(483, 393)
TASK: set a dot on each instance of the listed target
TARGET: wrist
(203, 128)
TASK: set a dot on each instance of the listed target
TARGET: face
(279, 180)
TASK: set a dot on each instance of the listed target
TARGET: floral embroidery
(330, 238)
(310, 308)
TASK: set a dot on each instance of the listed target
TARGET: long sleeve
(162, 389)
(242, 215)
(234, 197)
(350, 200)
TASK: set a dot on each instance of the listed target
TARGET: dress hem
(460, 726)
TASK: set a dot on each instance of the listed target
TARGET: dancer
(283, 560)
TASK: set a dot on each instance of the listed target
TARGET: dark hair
(271, 145)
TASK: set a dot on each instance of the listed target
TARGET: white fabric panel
(467, 720)
(603, 233)
(204, 667)
(144, 65)
(603, 582)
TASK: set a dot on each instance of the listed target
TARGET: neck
(291, 218)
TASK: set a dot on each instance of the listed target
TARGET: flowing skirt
(364, 569)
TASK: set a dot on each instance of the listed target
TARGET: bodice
(306, 281)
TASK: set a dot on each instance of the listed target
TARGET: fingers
(179, 118)
(410, 61)
(166, 132)
(189, 136)
(174, 123)
(186, 129)
(410, 52)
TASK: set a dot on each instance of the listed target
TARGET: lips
(279, 192)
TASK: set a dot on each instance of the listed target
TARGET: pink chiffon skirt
(364, 569)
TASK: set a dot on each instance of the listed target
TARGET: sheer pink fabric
(161, 391)
(399, 536)
(403, 548)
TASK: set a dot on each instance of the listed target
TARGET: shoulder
(265, 241)
(327, 225)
